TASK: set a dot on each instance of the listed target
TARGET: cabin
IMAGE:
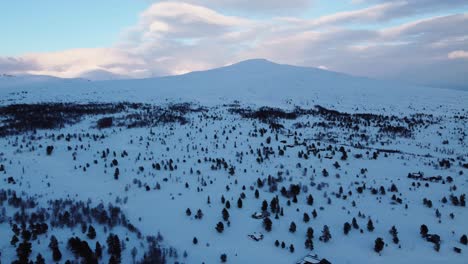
(260, 215)
(313, 259)
(256, 236)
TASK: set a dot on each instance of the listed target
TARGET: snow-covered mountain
(254, 81)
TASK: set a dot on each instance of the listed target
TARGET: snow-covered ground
(185, 164)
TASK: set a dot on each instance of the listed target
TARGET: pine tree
(464, 240)
(56, 254)
(223, 258)
(225, 214)
(188, 212)
(91, 232)
(309, 244)
(23, 251)
(346, 228)
(220, 227)
(267, 224)
(326, 236)
(310, 233)
(195, 240)
(199, 214)
(370, 225)
(393, 231)
(39, 259)
(292, 227)
(239, 203)
(257, 194)
(423, 231)
(291, 248)
(264, 205)
(306, 218)
(310, 200)
(114, 247)
(379, 244)
(14, 240)
(98, 250)
(113, 260)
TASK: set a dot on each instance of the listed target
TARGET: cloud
(257, 6)
(420, 6)
(16, 65)
(175, 38)
(458, 54)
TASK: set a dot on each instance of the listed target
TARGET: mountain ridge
(257, 81)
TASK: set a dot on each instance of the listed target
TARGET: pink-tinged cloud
(458, 54)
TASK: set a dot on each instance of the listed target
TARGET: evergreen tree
(264, 205)
(346, 228)
(310, 199)
(314, 213)
(370, 225)
(56, 254)
(292, 227)
(14, 240)
(199, 214)
(239, 203)
(326, 236)
(306, 218)
(464, 240)
(91, 232)
(225, 214)
(113, 260)
(355, 224)
(98, 250)
(23, 251)
(223, 258)
(114, 247)
(267, 224)
(310, 233)
(423, 230)
(39, 259)
(220, 227)
(393, 231)
(309, 244)
(379, 245)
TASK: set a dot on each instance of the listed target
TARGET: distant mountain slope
(254, 81)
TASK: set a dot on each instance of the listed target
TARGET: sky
(416, 41)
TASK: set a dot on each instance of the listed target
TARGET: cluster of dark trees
(31, 117)
(30, 223)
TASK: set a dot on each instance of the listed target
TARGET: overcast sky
(417, 41)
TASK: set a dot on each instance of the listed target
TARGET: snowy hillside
(257, 82)
(251, 163)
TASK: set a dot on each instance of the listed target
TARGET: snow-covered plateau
(254, 162)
